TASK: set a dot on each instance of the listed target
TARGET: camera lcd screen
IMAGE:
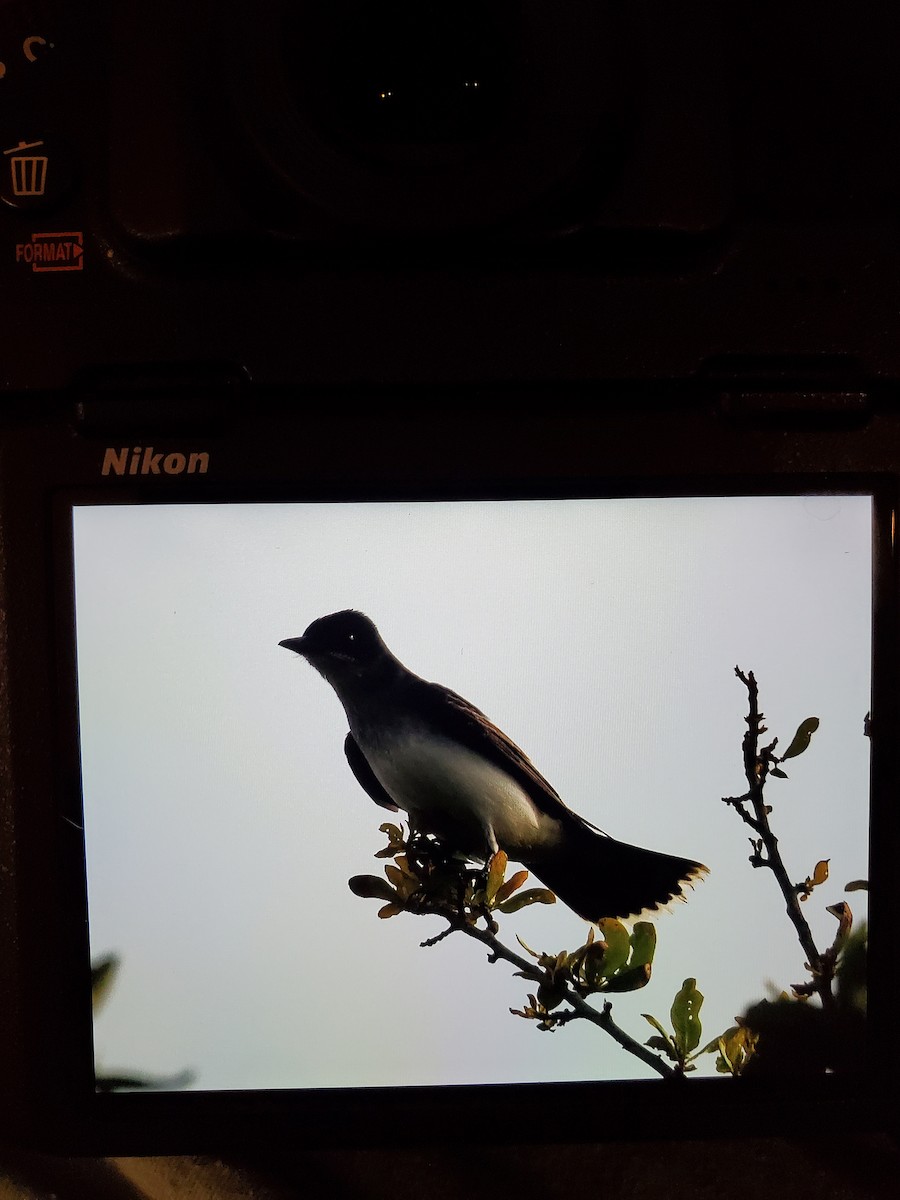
(222, 821)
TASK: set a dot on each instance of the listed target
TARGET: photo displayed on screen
(223, 819)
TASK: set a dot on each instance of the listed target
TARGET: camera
(557, 341)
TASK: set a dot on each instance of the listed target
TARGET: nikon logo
(143, 460)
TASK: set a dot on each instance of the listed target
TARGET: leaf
(659, 1043)
(656, 1025)
(665, 1044)
(531, 896)
(389, 910)
(643, 944)
(525, 946)
(857, 885)
(801, 738)
(820, 871)
(685, 1017)
(167, 1083)
(402, 878)
(618, 945)
(512, 885)
(724, 1064)
(844, 915)
(711, 1046)
(551, 994)
(586, 964)
(395, 841)
(778, 773)
(630, 979)
(736, 1047)
(496, 871)
(103, 973)
(371, 887)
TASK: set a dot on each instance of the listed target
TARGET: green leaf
(525, 946)
(618, 945)
(531, 896)
(801, 738)
(659, 1043)
(630, 979)
(736, 1047)
(686, 1017)
(778, 773)
(643, 944)
(656, 1025)
(665, 1044)
(711, 1046)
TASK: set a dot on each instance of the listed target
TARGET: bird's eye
(351, 637)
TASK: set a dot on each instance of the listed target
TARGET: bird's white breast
(438, 779)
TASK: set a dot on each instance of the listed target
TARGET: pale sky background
(222, 821)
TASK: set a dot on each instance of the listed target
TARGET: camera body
(717, 185)
(291, 255)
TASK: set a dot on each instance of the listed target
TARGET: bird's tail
(597, 877)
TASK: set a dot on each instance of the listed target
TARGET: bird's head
(342, 646)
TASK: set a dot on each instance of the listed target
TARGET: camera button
(36, 173)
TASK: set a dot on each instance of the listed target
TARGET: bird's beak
(296, 644)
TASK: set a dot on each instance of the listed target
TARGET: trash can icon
(29, 171)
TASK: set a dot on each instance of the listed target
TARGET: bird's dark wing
(365, 776)
(468, 725)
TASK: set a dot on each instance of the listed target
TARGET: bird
(420, 747)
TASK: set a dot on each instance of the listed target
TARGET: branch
(757, 763)
(579, 1007)
(425, 878)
